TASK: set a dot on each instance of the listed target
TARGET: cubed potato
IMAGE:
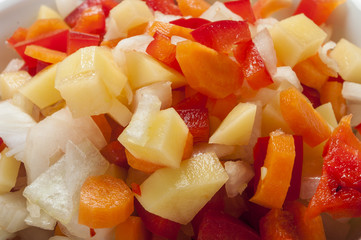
(10, 82)
(129, 14)
(296, 38)
(178, 194)
(9, 168)
(144, 70)
(348, 58)
(237, 127)
(326, 111)
(46, 12)
(41, 89)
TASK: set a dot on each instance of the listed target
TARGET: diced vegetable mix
(163, 119)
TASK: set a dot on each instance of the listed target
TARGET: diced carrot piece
(132, 229)
(264, 8)
(278, 224)
(272, 187)
(308, 229)
(141, 164)
(188, 148)
(44, 26)
(331, 92)
(138, 30)
(207, 71)
(18, 36)
(322, 67)
(44, 54)
(170, 30)
(110, 43)
(92, 20)
(302, 118)
(221, 107)
(103, 125)
(105, 202)
(193, 8)
(57, 231)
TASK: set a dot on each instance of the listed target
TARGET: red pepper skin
(313, 95)
(114, 152)
(242, 8)
(339, 190)
(164, 6)
(156, 224)
(2, 144)
(317, 11)
(197, 100)
(222, 35)
(253, 66)
(192, 23)
(197, 121)
(77, 40)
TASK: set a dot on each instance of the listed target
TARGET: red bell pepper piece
(73, 17)
(18, 36)
(91, 20)
(197, 120)
(253, 66)
(197, 100)
(259, 154)
(56, 40)
(164, 6)
(2, 144)
(156, 224)
(339, 190)
(192, 23)
(77, 40)
(222, 35)
(313, 95)
(217, 225)
(114, 152)
(318, 11)
(242, 8)
(163, 50)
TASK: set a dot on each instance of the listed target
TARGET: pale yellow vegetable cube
(41, 90)
(237, 127)
(296, 38)
(129, 14)
(10, 82)
(46, 12)
(144, 70)
(179, 194)
(272, 119)
(120, 113)
(348, 58)
(326, 111)
(9, 168)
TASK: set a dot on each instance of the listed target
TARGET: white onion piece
(263, 96)
(354, 108)
(57, 190)
(265, 23)
(14, 127)
(218, 11)
(14, 65)
(66, 6)
(112, 31)
(325, 58)
(162, 90)
(52, 134)
(4, 235)
(161, 17)
(286, 74)
(335, 229)
(12, 212)
(308, 187)
(220, 150)
(176, 39)
(38, 218)
(34, 233)
(265, 47)
(239, 173)
(351, 91)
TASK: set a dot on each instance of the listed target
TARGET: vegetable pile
(184, 120)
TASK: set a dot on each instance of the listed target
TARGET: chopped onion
(354, 108)
(176, 39)
(52, 134)
(263, 96)
(14, 127)
(162, 90)
(218, 11)
(137, 43)
(112, 31)
(57, 190)
(14, 65)
(265, 23)
(351, 91)
(4, 235)
(239, 173)
(220, 150)
(33, 233)
(286, 74)
(12, 212)
(308, 187)
(38, 218)
(264, 45)
(161, 17)
(326, 59)
(65, 7)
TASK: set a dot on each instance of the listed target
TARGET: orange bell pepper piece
(209, 72)
(44, 54)
(193, 8)
(302, 118)
(18, 36)
(264, 8)
(141, 164)
(104, 126)
(105, 202)
(331, 92)
(44, 26)
(170, 30)
(132, 229)
(272, 187)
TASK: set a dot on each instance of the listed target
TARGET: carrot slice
(170, 30)
(188, 148)
(273, 187)
(104, 126)
(141, 164)
(44, 26)
(331, 92)
(44, 54)
(302, 118)
(193, 8)
(264, 8)
(132, 229)
(105, 202)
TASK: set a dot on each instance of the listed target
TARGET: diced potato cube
(120, 113)
(144, 70)
(46, 12)
(41, 90)
(237, 127)
(272, 119)
(129, 14)
(326, 111)
(178, 194)
(296, 38)
(10, 82)
(9, 168)
(348, 58)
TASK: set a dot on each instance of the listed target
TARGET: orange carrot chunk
(193, 8)
(331, 92)
(44, 54)
(105, 202)
(140, 164)
(132, 229)
(302, 118)
(104, 126)
(44, 26)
